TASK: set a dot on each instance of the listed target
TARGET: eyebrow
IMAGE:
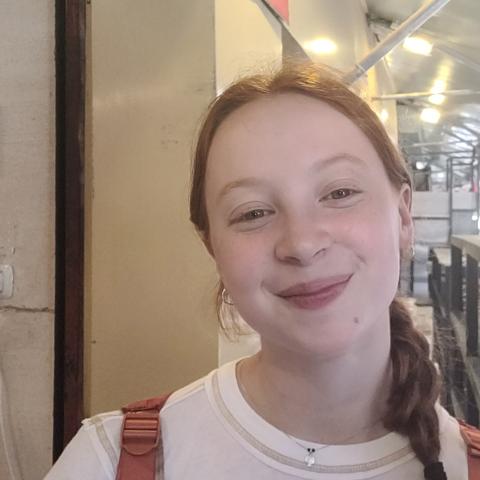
(243, 182)
(318, 165)
(347, 157)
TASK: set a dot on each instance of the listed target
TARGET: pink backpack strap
(471, 435)
(141, 439)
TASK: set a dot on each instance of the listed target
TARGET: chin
(327, 342)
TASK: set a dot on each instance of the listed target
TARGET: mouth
(316, 294)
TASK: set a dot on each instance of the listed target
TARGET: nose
(302, 241)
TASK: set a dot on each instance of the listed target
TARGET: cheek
(240, 260)
(373, 236)
(373, 230)
(385, 256)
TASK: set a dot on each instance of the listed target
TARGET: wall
(27, 181)
(150, 325)
(247, 37)
(342, 21)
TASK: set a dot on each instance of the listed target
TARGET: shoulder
(105, 429)
(186, 396)
(91, 453)
(95, 450)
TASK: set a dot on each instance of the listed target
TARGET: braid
(415, 389)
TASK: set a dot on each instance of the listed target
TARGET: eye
(251, 215)
(341, 193)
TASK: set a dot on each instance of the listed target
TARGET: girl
(304, 203)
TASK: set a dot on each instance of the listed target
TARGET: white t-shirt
(210, 432)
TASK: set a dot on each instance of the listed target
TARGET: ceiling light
(430, 115)
(417, 45)
(384, 115)
(323, 46)
(439, 86)
(436, 98)
(420, 165)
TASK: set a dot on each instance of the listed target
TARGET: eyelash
(350, 190)
(243, 218)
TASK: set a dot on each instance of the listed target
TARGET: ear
(405, 218)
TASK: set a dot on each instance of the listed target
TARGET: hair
(415, 384)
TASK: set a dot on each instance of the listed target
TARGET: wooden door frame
(70, 21)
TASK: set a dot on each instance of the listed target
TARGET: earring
(226, 297)
(408, 255)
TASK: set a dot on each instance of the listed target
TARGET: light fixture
(418, 45)
(436, 98)
(430, 115)
(322, 46)
(420, 165)
(439, 86)
(384, 115)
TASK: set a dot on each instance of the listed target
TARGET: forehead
(284, 131)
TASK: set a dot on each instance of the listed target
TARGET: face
(305, 227)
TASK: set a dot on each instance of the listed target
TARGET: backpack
(142, 442)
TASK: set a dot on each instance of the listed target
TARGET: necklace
(310, 458)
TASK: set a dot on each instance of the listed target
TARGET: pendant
(310, 457)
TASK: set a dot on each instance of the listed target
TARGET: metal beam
(403, 96)
(468, 129)
(429, 154)
(459, 57)
(431, 144)
(383, 26)
(410, 25)
(458, 137)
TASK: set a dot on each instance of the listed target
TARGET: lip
(316, 294)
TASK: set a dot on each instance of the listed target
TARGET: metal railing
(454, 287)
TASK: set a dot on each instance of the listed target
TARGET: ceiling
(455, 59)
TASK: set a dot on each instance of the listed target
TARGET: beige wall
(342, 21)
(150, 284)
(27, 103)
(247, 36)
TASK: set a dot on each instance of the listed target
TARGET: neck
(330, 401)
